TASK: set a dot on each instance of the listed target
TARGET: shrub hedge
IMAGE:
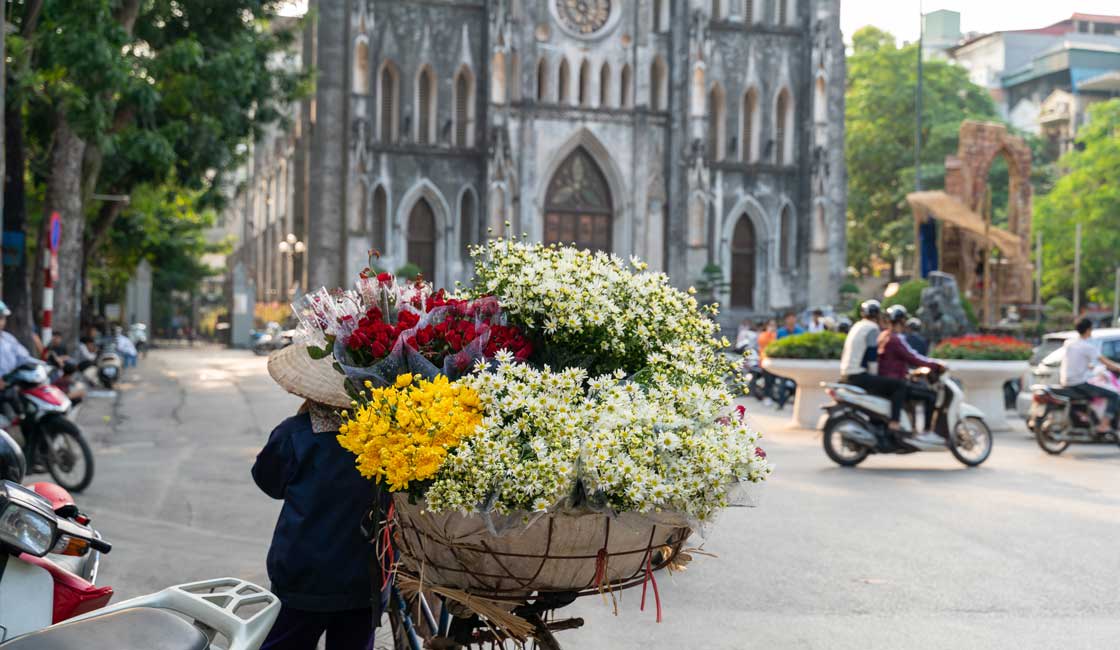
(811, 345)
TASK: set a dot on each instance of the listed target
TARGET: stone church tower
(687, 132)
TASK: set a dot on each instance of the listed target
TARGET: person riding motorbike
(860, 350)
(12, 352)
(1075, 371)
(896, 358)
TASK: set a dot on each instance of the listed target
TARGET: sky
(900, 17)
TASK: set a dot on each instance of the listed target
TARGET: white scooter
(239, 611)
(855, 425)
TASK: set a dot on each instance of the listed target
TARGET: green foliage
(811, 345)
(1088, 195)
(848, 289)
(882, 80)
(408, 271)
(909, 296)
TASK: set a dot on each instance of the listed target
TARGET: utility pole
(1077, 272)
(918, 105)
(1038, 278)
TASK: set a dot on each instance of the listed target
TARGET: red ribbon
(651, 580)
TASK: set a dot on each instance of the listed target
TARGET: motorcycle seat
(1068, 392)
(141, 627)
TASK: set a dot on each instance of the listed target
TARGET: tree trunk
(17, 288)
(64, 196)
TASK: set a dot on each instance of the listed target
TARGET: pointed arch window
(657, 85)
(563, 83)
(626, 89)
(716, 121)
(464, 107)
(426, 106)
(379, 219)
(578, 206)
(388, 107)
(585, 83)
(743, 258)
(422, 238)
(467, 235)
(605, 86)
(748, 136)
(786, 239)
(783, 131)
(359, 82)
(542, 80)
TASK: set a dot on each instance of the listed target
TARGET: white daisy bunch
(612, 313)
(553, 438)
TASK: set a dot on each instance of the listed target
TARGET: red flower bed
(983, 347)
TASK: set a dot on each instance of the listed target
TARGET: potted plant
(983, 363)
(807, 359)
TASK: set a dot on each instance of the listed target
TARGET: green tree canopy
(1089, 194)
(882, 81)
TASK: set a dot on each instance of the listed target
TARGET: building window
(542, 80)
(425, 106)
(783, 134)
(466, 224)
(563, 80)
(626, 90)
(717, 9)
(820, 231)
(783, 12)
(498, 79)
(422, 238)
(785, 239)
(585, 83)
(748, 138)
(464, 108)
(748, 12)
(578, 206)
(514, 79)
(657, 85)
(820, 102)
(380, 218)
(388, 106)
(743, 255)
(605, 86)
(360, 70)
(716, 123)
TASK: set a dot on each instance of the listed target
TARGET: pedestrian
(87, 352)
(914, 337)
(790, 326)
(817, 321)
(125, 347)
(319, 561)
(746, 338)
(767, 336)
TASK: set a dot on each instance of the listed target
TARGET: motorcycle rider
(12, 352)
(860, 349)
(1074, 373)
(896, 357)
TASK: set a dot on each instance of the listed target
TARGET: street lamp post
(289, 247)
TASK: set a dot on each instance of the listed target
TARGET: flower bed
(983, 348)
(811, 345)
(560, 383)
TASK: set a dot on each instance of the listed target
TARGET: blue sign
(56, 231)
(13, 248)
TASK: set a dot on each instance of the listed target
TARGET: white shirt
(12, 353)
(125, 346)
(817, 326)
(863, 335)
(1080, 355)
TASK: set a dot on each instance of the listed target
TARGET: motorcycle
(239, 611)
(1060, 416)
(109, 364)
(271, 341)
(855, 424)
(51, 440)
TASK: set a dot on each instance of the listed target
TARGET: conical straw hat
(313, 379)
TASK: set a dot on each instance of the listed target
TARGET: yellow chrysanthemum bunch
(402, 433)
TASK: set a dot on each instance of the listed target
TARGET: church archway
(743, 247)
(422, 238)
(578, 206)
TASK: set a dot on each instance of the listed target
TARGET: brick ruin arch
(966, 238)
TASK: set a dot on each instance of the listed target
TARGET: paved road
(903, 552)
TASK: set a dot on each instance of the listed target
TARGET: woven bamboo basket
(580, 552)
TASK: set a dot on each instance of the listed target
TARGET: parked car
(1047, 358)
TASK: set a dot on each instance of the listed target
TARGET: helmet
(870, 309)
(897, 314)
(12, 463)
(914, 324)
(4, 311)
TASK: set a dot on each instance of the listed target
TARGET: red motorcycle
(51, 440)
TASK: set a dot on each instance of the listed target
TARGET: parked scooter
(109, 364)
(240, 611)
(1060, 416)
(51, 440)
(855, 425)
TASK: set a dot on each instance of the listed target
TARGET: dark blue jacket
(319, 560)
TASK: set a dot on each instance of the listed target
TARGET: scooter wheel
(66, 453)
(843, 452)
(971, 442)
(1042, 435)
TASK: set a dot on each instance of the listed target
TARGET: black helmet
(897, 314)
(12, 463)
(870, 309)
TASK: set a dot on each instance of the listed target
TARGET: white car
(1047, 358)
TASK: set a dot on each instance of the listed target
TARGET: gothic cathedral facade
(692, 133)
